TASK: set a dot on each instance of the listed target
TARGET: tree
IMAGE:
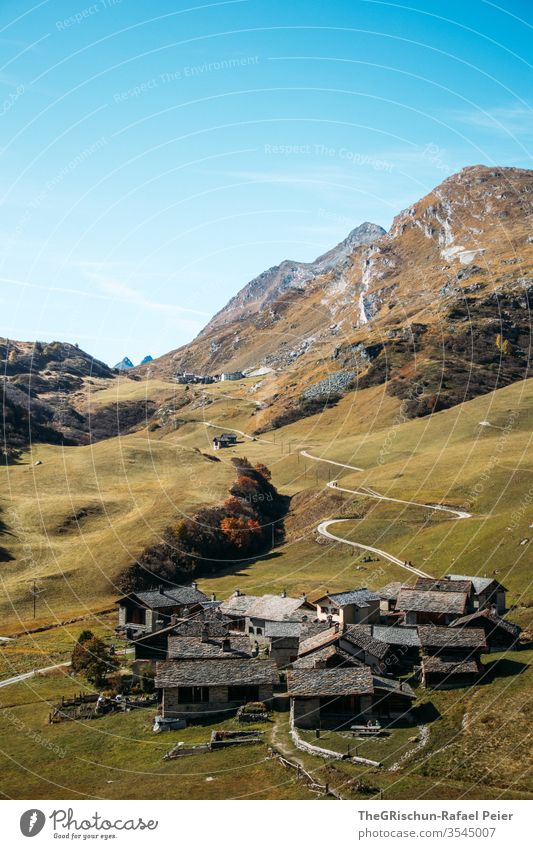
(91, 657)
(503, 345)
(241, 532)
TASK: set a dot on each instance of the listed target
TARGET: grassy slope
(143, 480)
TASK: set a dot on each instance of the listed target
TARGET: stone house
(423, 607)
(350, 607)
(487, 592)
(500, 635)
(451, 656)
(225, 440)
(323, 698)
(153, 645)
(193, 689)
(236, 608)
(153, 609)
(388, 596)
(273, 608)
(283, 641)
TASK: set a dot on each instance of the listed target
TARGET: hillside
(46, 391)
(77, 521)
(437, 308)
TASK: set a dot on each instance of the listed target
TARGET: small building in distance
(231, 375)
(225, 440)
(236, 608)
(351, 607)
(194, 689)
(487, 591)
(153, 609)
(388, 596)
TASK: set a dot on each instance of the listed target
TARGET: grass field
(475, 750)
(77, 520)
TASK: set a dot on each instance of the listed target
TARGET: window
(324, 609)
(334, 611)
(243, 693)
(251, 629)
(259, 631)
(193, 695)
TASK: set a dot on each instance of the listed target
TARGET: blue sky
(156, 156)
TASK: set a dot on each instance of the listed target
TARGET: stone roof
(283, 629)
(479, 583)
(490, 620)
(155, 599)
(275, 608)
(362, 638)
(444, 585)
(391, 685)
(390, 591)
(436, 665)
(401, 636)
(452, 638)
(211, 673)
(193, 648)
(360, 597)
(238, 605)
(316, 658)
(195, 627)
(329, 682)
(319, 640)
(422, 601)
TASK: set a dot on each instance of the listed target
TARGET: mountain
(125, 363)
(436, 309)
(289, 274)
(46, 393)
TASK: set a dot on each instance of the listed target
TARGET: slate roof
(390, 591)
(313, 660)
(275, 608)
(391, 685)
(329, 682)
(479, 583)
(490, 620)
(238, 605)
(362, 638)
(444, 585)
(360, 597)
(422, 601)
(317, 641)
(155, 599)
(283, 629)
(436, 665)
(196, 627)
(396, 636)
(192, 648)
(451, 638)
(183, 673)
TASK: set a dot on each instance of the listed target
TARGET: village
(349, 661)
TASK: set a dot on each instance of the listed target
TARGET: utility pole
(35, 592)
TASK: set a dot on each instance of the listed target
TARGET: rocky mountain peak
(290, 274)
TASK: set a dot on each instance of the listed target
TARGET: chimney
(304, 598)
(336, 627)
(205, 633)
(161, 589)
(226, 644)
(283, 593)
(174, 619)
(213, 596)
(237, 593)
(194, 585)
